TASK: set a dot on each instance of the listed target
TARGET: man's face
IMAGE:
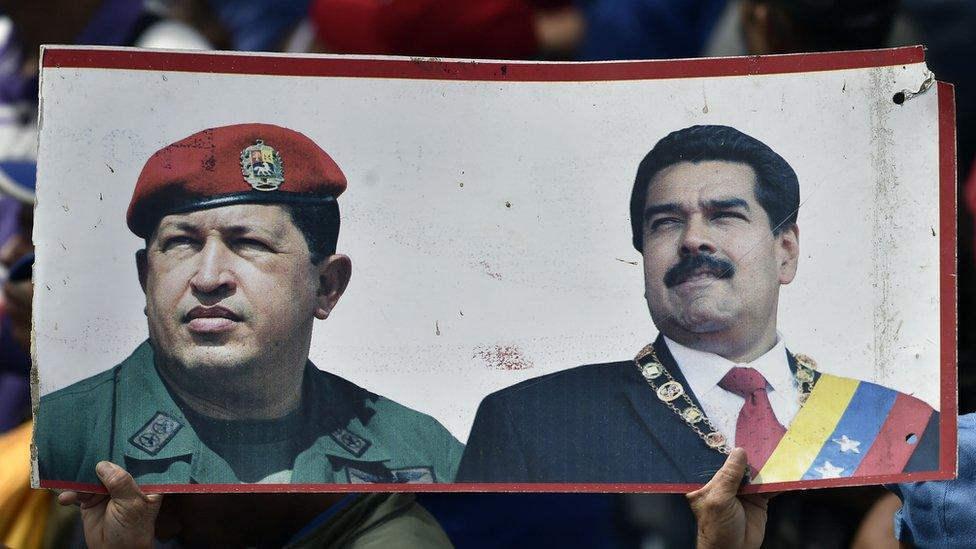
(233, 286)
(711, 262)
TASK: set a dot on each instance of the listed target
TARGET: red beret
(239, 164)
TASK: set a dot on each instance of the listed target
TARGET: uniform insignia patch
(156, 434)
(406, 475)
(353, 443)
(358, 476)
(413, 475)
(262, 167)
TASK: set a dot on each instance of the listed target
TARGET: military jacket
(126, 415)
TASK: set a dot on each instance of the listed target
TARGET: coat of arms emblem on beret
(262, 167)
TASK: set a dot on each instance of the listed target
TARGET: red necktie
(757, 429)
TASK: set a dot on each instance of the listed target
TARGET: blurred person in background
(585, 30)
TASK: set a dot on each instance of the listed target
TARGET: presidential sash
(848, 428)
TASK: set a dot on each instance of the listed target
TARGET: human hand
(726, 520)
(125, 517)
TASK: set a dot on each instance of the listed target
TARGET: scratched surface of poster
(348, 273)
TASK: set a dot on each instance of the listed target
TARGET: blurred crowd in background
(573, 30)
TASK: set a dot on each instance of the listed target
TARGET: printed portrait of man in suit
(714, 212)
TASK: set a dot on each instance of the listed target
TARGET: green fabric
(126, 415)
(378, 521)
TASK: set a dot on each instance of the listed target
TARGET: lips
(208, 320)
(699, 274)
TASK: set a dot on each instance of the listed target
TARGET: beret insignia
(262, 167)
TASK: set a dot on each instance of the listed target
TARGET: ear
(142, 268)
(333, 273)
(788, 253)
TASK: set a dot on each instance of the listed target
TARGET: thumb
(119, 483)
(727, 480)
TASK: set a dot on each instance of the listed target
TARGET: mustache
(692, 265)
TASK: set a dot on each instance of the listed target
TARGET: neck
(731, 344)
(244, 392)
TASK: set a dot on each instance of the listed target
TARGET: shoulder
(96, 388)
(82, 391)
(351, 400)
(589, 379)
(74, 426)
(870, 392)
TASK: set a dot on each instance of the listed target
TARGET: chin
(703, 322)
(211, 358)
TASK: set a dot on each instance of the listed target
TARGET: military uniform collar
(154, 428)
(344, 410)
(149, 422)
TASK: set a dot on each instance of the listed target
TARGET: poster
(424, 274)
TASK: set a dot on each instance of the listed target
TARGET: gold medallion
(805, 361)
(715, 439)
(692, 415)
(670, 391)
(652, 370)
(804, 375)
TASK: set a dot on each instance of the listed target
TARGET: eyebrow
(727, 204)
(717, 204)
(185, 226)
(656, 209)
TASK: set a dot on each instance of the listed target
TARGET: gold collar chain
(670, 391)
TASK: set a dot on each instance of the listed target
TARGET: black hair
(319, 224)
(777, 189)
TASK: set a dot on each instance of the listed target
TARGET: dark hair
(319, 224)
(777, 189)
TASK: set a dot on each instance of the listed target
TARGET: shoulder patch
(353, 443)
(156, 433)
(406, 475)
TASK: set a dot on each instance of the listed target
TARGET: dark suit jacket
(601, 423)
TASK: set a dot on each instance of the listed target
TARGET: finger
(68, 498)
(118, 482)
(727, 480)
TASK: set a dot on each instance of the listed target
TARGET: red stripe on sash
(891, 449)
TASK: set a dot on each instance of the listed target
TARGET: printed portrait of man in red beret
(240, 225)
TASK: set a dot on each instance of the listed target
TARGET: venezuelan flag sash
(847, 428)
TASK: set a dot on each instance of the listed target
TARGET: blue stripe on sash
(861, 422)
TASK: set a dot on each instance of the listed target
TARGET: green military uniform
(127, 415)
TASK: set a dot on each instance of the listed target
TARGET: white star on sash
(847, 444)
(829, 470)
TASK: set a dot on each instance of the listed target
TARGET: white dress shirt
(704, 371)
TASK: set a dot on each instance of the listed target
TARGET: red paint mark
(503, 357)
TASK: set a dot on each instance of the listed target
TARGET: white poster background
(487, 222)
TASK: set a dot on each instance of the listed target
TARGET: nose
(696, 238)
(214, 275)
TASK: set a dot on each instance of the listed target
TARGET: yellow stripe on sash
(815, 421)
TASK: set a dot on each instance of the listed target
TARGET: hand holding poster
(494, 238)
